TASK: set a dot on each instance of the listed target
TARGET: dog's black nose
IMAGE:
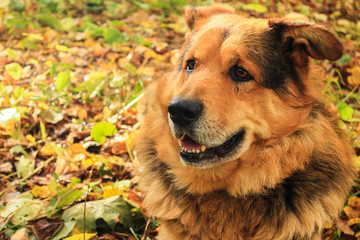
(184, 112)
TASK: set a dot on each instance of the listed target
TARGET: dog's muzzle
(184, 114)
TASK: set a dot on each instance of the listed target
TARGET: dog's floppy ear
(303, 39)
(197, 16)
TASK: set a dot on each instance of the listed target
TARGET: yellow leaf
(151, 54)
(147, 71)
(34, 36)
(351, 212)
(47, 150)
(354, 79)
(328, 225)
(76, 152)
(30, 138)
(15, 70)
(354, 202)
(62, 48)
(75, 149)
(119, 188)
(80, 236)
(107, 112)
(111, 192)
(41, 191)
(43, 106)
(88, 162)
(82, 113)
(353, 221)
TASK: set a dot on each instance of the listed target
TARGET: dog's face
(241, 83)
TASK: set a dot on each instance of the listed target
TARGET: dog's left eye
(190, 65)
(239, 74)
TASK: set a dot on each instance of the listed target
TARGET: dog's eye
(242, 73)
(238, 74)
(190, 65)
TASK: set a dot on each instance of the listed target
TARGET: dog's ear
(197, 16)
(301, 39)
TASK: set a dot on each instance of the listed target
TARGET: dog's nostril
(183, 112)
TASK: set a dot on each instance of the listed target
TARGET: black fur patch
(265, 50)
(161, 170)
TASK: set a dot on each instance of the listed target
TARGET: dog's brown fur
(292, 171)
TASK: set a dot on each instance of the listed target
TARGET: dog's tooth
(179, 142)
(203, 148)
(198, 151)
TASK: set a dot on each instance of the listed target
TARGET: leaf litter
(71, 73)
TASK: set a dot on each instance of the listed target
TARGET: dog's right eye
(190, 65)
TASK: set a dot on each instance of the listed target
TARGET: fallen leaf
(257, 7)
(25, 165)
(62, 48)
(45, 228)
(354, 79)
(353, 221)
(6, 167)
(14, 70)
(30, 139)
(82, 113)
(344, 227)
(20, 234)
(112, 210)
(101, 130)
(81, 236)
(65, 230)
(22, 210)
(41, 191)
(51, 116)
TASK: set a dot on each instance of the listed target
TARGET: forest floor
(71, 73)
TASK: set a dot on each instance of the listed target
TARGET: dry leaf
(20, 234)
(45, 228)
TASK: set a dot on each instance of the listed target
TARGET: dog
(237, 142)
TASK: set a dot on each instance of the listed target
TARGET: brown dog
(238, 143)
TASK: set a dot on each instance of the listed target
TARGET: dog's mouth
(195, 153)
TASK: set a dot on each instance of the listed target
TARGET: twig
(146, 231)
(8, 176)
(133, 233)
(28, 176)
(84, 227)
(129, 105)
(347, 96)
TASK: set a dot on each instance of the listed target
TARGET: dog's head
(241, 82)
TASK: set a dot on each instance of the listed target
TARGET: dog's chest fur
(295, 209)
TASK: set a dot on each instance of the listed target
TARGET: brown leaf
(344, 227)
(45, 228)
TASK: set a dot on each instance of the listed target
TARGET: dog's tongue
(190, 144)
